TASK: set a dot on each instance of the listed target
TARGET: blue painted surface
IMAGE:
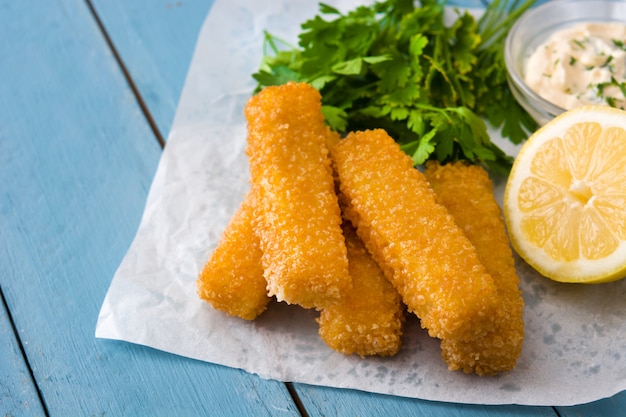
(76, 160)
(18, 394)
(608, 407)
(321, 401)
(156, 40)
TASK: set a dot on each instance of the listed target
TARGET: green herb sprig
(398, 66)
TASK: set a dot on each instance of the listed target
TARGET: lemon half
(565, 198)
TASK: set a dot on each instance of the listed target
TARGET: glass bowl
(534, 27)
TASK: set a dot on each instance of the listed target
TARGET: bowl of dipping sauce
(567, 53)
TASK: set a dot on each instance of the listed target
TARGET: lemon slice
(565, 199)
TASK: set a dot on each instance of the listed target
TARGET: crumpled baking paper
(575, 346)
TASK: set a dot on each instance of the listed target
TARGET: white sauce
(581, 64)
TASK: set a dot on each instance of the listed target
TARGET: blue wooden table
(88, 92)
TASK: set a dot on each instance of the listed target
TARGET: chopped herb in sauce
(581, 64)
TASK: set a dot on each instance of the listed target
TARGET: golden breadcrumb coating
(369, 319)
(232, 279)
(298, 220)
(467, 192)
(421, 250)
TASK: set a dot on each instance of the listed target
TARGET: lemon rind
(610, 268)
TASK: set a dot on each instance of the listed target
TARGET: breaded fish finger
(298, 219)
(422, 251)
(369, 318)
(467, 192)
(232, 279)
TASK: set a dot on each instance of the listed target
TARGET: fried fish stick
(422, 251)
(298, 219)
(369, 319)
(232, 279)
(467, 192)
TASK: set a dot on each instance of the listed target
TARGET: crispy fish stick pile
(467, 192)
(369, 319)
(422, 251)
(298, 220)
(232, 280)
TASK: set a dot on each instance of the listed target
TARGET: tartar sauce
(581, 64)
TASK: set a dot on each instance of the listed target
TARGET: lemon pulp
(565, 201)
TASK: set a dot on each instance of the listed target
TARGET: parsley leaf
(395, 65)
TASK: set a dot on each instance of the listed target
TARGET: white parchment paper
(575, 346)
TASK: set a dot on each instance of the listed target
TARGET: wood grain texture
(76, 161)
(18, 394)
(156, 41)
(322, 401)
(614, 406)
(157, 55)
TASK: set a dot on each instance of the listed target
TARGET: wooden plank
(156, 41)
(76, 161)
(18, 394)
(322, 401)
(141, 43)
(608, 407)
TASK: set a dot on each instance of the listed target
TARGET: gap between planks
(146, 112)
(23, 352)
(129, 79)
(153, 126)
(296, 399)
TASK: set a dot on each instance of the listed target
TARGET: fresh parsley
(398, 66)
